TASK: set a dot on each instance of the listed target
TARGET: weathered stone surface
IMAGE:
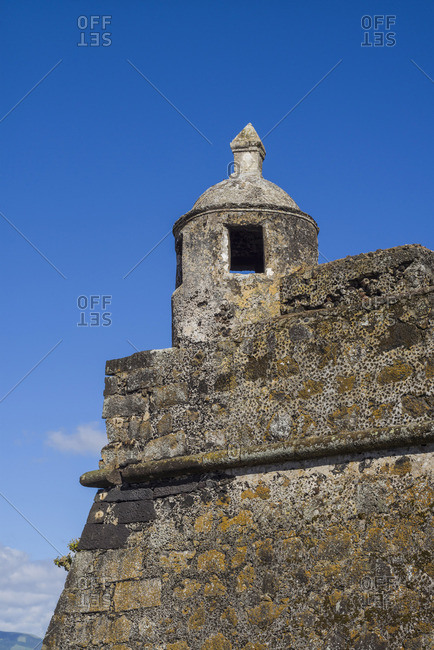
(173, 444)
(286, 558)
(337, 365)
(118, 494)
(134, 511)
(369, 280)
(119, 405)
(268, 482)
(175, 487)
(96, 536)
(97, 513)
(116, 565)
(132, 594)
(170, 395)
(111, 631)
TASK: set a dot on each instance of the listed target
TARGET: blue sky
(96, 165)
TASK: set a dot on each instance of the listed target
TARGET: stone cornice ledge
(312, 447)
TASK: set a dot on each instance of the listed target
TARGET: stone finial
(248, 152)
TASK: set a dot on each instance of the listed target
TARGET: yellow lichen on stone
(214, 588)
(306, 421)
(230, 615)
(121, 565)
(197, 619)
(287, 366)
(223, 501)
(261, 492)
(239, 556)
(330, 352)
(203, 524)
(311, 388)
(189, 588)
(265, 613)
(345, 384)
(399, 371)
(381, 411)
(212, 561)
(245, 578)
(217, 642)
(335, 597)
(264, 549)
(401, 466)
(417, 406)
(177, 561)
(292, 547)
(344, 417)
(178, 645)
(111, 631)
(135, 594)
(243, 520)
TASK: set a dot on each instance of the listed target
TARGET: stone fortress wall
(268, 481)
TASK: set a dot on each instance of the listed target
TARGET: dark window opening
(178, 251)
(246, 249)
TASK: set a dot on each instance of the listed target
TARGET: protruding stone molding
(240, 207)
(312, 447)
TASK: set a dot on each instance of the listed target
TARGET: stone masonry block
(112, 386)
(119, 405)
(147, 359)
(131, 512)
(111, 631)
(176, 488)
(96, 536)
(116, 495)
(141, 379)
(174, 444)
(120, 564)
(135, 594)
(97, 513)
(170, 395)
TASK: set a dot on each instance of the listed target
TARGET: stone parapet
(362, 361)
(369, 279)
(303, 555)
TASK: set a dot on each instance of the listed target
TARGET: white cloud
(86, 440)
(29, 592)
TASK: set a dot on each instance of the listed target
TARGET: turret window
(246, 249)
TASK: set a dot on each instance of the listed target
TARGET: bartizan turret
(234, 246)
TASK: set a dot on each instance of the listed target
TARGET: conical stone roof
(244, 191)
(246, 187)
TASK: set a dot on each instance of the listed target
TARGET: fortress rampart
(267, 482)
